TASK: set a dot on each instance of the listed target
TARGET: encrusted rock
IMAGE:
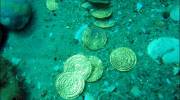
(15, 14)
(174, 14)
(164, 50)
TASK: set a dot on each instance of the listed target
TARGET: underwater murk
(89, 50)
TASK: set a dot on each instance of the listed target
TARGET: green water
(34, 56)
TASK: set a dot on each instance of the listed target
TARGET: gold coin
(123, 59)
(104, 24)
(69, 85)
(101, 13)
(97, 69)
(78, 63)
(94, 38)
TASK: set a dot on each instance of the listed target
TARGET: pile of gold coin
(94, 38)
(123, 59)
(101, 11)
(78, 69)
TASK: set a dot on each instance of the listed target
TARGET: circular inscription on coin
(78, 63)
(123, 59)
(97, 69)
(69, 85)
(94, 38)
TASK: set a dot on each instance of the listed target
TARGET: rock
(139, 6)
(135, 91)
(86, 5)
(164, 50)
(176, 70)
(9, 86)
(80, 31)
(16, 61)
(110, 89)
(88, 96)
(15, 14)
(174, 14)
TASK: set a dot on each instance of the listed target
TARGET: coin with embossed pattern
(69, 85)
(123, 59)
(78, 63)
(97, 69)
(94, 38)
(101, 13)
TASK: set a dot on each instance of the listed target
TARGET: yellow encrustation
(123, 59)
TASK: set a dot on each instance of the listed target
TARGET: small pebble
(139, 6)
(135, 91)
(88, 96)
(16, 61)
(86, 5)
(176, 70)
(44, 93)
(56, 68)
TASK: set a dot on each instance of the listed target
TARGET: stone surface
(174, 14)
(164, 50)
(15, 14)
(135, 91)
